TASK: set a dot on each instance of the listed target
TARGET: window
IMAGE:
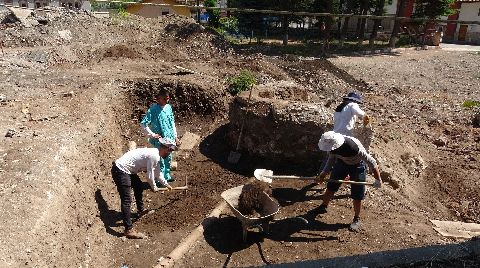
(9, 2)
(165, 13)
(23, 3)
(479, 12)
(38, 5)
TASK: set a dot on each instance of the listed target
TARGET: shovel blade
(260, 174)
(234, 157)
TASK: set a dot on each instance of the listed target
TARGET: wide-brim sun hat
(354, 96)
(330, 141)
(170, 144)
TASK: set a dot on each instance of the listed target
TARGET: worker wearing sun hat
(347, 156)
(347, 112)
(124, 174)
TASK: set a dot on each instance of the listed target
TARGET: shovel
(234, 156)
(176, 188)
(267, 176)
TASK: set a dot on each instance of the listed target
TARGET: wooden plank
(456, 229)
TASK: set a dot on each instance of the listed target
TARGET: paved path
(456, 47)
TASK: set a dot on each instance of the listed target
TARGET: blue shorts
(356, 172)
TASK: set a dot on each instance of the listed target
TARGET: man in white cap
(124, 174)
(348, 157)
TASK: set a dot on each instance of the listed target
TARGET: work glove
(366, 120)
(377, 184)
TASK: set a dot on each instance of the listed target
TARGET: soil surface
(70, 103)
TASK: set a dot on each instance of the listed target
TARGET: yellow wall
(156, 11)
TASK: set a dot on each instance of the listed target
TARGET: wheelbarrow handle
(352, 182)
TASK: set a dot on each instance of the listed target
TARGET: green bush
(229, 24)
(241, 82)
(471, 104)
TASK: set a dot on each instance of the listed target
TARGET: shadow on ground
(224, 234)
(215, 147)
(108, 216)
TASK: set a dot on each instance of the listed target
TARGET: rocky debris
(196, 95)
(65, 35)
(7, 16)
(10, 133)
(69, 94)
(440, 141)
(476, 120)
(278, 131)
(121, 51)
(250, 201)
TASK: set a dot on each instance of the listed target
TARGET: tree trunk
(376, 23)
(285, 30)
(344, 30)
(396, 26)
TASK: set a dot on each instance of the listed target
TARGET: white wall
(469, 12)
(391, 9)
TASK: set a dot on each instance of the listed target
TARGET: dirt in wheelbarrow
(250, 201)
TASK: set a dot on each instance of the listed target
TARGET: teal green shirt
(161, 121)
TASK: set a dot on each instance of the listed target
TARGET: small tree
(213, 15)
(433, 9)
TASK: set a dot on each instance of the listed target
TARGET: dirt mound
(121, 51)
(250, 201)
(189, 95)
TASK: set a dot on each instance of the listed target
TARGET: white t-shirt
(344, 121)
(142, 160)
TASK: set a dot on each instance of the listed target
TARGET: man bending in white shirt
(124, 174)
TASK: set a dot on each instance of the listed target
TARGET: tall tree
(396, 27)
(431, 10)
(379, 9)
(213, 15)
(289, 5)
(326, 23)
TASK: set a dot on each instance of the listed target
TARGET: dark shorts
(356, 172)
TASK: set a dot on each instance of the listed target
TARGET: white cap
(168, 143)
(330, 141)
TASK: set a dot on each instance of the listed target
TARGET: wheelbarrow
(231, 196)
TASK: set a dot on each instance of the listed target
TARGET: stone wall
(278, 129)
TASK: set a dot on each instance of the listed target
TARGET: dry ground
(75, 103)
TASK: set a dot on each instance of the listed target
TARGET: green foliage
(241, 82)
(433, 9)
(213, 15)
(471, 104)
(229, 24)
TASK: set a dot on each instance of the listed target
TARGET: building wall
(72, 4)
(391, 9)
(470, 12)
(157, 11)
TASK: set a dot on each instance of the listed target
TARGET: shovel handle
(174, 188)
(290, 177)
(352, 182)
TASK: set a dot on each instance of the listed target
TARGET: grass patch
(471, 104)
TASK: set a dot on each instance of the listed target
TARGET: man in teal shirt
(159, 122)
